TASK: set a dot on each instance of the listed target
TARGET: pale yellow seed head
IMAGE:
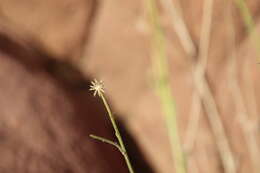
(97, 87)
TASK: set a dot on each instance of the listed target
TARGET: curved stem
(118, 135)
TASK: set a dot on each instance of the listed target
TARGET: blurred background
(181, 77)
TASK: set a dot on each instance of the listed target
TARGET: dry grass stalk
(201, 83)
(193, 123)
(206, 95)
(175, 12)
(242, 113)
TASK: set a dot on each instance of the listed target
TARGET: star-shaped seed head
(97, 87)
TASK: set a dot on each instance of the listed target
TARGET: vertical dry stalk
(251, 125)
(193, 123)
(174, 10)
(202, 84)
(243, 117)
(242, 113)
(217, 126)
(206, 95)
(254, 35)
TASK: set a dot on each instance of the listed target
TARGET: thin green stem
(98, 88)
(117, 133)
(102, 139)
(163, 88)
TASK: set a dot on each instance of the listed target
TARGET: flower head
(97, 87)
